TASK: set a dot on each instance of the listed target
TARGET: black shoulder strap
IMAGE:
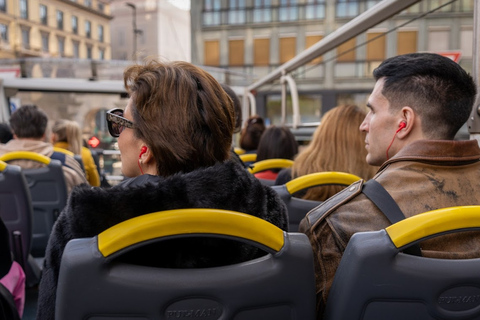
(8, 310)
(58, 156)
(384, 201)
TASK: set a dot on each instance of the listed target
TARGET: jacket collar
(449, 152)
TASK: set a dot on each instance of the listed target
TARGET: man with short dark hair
(418, 104)
(29, 125)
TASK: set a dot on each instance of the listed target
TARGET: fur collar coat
(90, 211)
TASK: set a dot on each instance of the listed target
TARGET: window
(59, 19)
(76, 49)
(101, 54)
(75, 24)
(310, 41)
(43, 14)
(315, 9)
(236, 52)
(287, 48)
(3, 5)
(438, 40)
(4, 32)
(25, 38)
(101, 6)
(236, 12)
(88, 29)
(347, 8)
(100, 33)
(261, 52)
(346, 51)
(45, 42)
(24, 9)
(406, 42)
(61, 46)
(376, 48)
(89, 52)
(211, 12)
(288, 10)
(212, 53)
(262, 11)
(88, 3)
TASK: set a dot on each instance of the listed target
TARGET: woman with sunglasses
(174, 137)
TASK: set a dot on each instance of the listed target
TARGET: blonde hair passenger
(337, 145)
(67, 135)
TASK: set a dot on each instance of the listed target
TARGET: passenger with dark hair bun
(251, 133)
(175, 139)
(5, 133)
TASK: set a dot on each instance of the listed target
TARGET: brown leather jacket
(426, 175)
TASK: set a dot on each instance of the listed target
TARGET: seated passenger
(251, 134)
(336, 146)
(275, 143)
(67, 135)
(418, 104)
(175, 137)
(29, 125)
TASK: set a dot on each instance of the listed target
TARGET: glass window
(4, 32)
(347, 8)
(100, 33)
(45, 44)
(75, 24)
(88, 3)
(88, 29)
(3, 5)
(288, 10)
(101, 6)
(236, 12)
(211, 12)
(101, 54)
(24, 9)
(61, 46)
(60, 19)
(43, 14)
(76, 49)
(26, 38)
(262, 11)
(315, 9)
(89, 52)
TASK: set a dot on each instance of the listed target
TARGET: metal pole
(134, 12)
(474, 120)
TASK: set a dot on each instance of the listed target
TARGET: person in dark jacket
(175, 138)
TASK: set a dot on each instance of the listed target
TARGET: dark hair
(236, 106)
(5, 133)
(29, 121)
(277, 142)
(182, 114)
(435, 87)
(251, 133)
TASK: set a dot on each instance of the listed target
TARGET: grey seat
(17, 213)
(48, 192)
(297, 207)
(376, 281)
(279, 285)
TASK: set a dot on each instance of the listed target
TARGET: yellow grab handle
(25, 155)
(189, 221)
(270, 164)
(248, 157)
(433, 222)
(3, 165)
(239, 151)
(320, 178)
(65, 151)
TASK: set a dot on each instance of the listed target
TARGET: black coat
(90, 211)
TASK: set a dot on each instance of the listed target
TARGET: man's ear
(410, 119)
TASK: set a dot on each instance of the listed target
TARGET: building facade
(256, 36)
(150, 29)
(55, 29)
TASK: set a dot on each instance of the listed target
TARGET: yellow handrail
(25, 155)
(248, 157)
(3, 165)
(270, 164)
(320, 178)
(189, 221)
(239, 151)
(433, 222)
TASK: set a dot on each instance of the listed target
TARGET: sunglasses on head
(116, 122)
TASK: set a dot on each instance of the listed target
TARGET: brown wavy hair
(251, 133)
(337, 145)
(182, 113)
